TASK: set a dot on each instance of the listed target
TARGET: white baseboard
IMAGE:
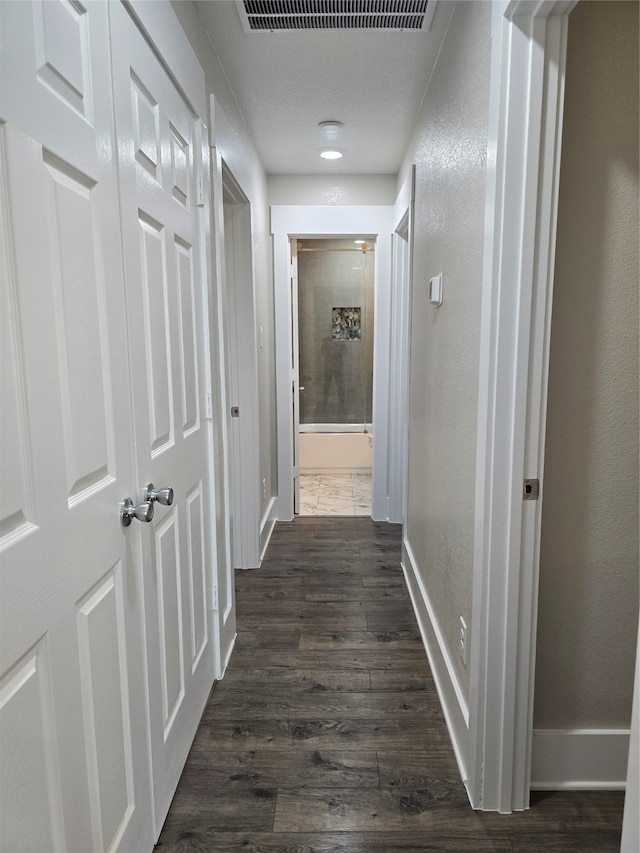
(266, 527)
(579, 759)
(227, 657)
(454, 705)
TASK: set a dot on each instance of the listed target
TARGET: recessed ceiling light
(331, 154)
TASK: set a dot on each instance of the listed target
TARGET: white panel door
(159, 143)
(74, 767)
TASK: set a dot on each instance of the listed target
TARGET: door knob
(129, 511)
(164, 496)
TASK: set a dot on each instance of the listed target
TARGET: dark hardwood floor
(326, 734)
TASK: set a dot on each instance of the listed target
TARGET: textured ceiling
(285, 83)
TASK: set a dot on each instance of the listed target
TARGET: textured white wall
(243, 161)
(588, 606)
(449, 151)
(332, 189)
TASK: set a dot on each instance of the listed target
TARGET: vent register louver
(278, 15)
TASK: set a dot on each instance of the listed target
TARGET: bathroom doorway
(335, 300)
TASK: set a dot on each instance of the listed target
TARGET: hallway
(326, 734)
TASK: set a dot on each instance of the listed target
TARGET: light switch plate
(435, 289)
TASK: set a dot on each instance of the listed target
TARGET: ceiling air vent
(281, 15)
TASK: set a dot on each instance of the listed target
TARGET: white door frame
(321, 221)
(228, 178)
(225, 582)
(525, 131)
(242, 375)
(401, 290)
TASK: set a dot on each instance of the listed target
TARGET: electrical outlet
(463, 641)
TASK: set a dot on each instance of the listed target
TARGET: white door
(295, 372)
(74, 769)
(160, 151)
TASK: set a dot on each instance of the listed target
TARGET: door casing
(334, 221)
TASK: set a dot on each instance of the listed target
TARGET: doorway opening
(241, 374)
(335, 345)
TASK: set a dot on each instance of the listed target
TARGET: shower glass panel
(335, 329)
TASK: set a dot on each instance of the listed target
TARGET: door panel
(103, 667)
(166, 309)
(157, 340)
(27, 742)
(169, 606)
(74, 768)
(72, 209)
(197, 574)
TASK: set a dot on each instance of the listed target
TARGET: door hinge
(214, 597)
(292, 271)
(208, 406)
(530, 490)
(200, 192)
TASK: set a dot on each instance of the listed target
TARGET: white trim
(284, 377)
(266, 527)
(226, 608)
(226, 180)
(401, 295)
(525, 126)
(209, 300)
(454, 705)
(579, 759)
(315, 221)
(381, 380)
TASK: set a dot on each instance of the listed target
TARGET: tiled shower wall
(337, 375)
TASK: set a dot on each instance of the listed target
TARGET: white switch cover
(435, 290)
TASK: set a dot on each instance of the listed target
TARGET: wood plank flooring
(326, 734)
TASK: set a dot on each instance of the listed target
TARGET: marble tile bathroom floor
(335, 494)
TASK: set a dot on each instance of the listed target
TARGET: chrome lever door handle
(164, 496)
(129, 511)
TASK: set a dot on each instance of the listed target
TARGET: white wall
(449, 151)
(588, 604)
(238, 151)
(332, 189)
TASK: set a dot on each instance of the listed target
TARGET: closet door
(73, 708)
(160, 152)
